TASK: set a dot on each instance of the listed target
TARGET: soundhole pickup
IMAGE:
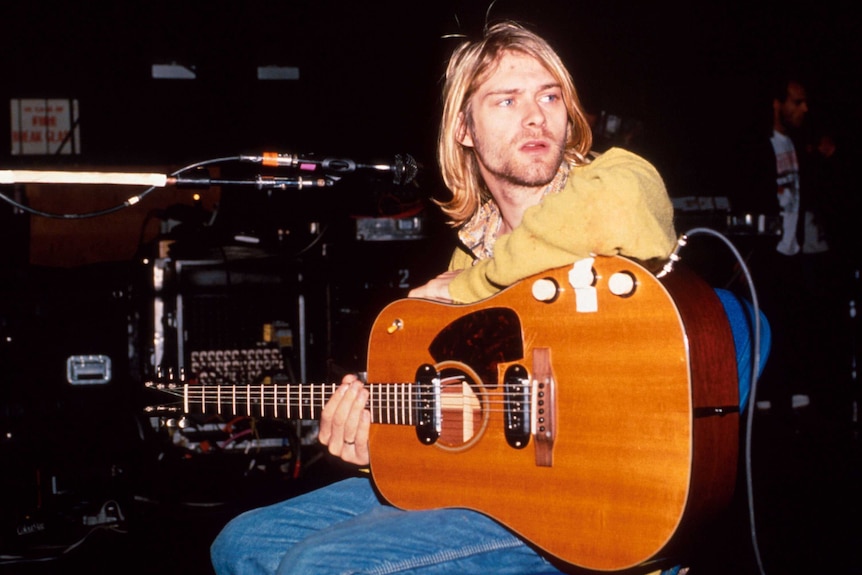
(516, 384)
(428, 409)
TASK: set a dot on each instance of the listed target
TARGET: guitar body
(625, 447)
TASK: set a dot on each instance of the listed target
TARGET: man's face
(519, 123)
(791, 112)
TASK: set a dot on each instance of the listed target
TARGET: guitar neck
(390, 403)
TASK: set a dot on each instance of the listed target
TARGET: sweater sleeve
(616, 205)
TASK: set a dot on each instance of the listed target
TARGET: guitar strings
(269, 396)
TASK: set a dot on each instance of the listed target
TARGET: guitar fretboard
(392, 403)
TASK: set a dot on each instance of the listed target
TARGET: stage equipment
(402, 168)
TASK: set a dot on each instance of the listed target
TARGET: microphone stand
(260, 182)
(158, 180)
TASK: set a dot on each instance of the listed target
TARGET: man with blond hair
(528, 195)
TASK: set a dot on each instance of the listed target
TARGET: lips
(534, 146)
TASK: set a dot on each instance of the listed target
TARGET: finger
(357, 409)
(362, 456)
(356, 452)
(324, 434)
(344, 422)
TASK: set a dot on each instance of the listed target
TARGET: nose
(534, 115)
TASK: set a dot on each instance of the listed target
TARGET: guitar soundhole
(464, 413)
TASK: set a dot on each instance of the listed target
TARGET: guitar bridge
(544, 407)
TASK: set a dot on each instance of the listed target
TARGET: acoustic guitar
(591, 409)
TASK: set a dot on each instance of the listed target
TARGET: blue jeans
(345, 528)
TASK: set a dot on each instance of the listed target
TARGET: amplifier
(234, 321)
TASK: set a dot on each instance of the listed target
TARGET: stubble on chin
(538, 172)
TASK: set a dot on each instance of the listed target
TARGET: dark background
(694, 74)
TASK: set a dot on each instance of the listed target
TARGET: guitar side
(614, 486)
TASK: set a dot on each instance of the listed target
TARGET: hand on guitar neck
(345, 422)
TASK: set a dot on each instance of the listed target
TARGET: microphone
(403, 168)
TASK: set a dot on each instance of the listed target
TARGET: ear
(462, 133)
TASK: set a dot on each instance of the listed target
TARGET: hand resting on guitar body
(436, 289)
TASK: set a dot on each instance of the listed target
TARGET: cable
(60, 551)
(755, 369)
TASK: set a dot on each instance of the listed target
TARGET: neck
(395, 403)
(513, 200)
(777, 124)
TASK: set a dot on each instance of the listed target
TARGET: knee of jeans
(320, 556)
(297, 562)
(219, 553)
(226, 550)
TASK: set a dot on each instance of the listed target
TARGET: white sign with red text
(45, 126)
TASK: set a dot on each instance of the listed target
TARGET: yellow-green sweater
(616, 205)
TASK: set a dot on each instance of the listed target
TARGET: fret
(399, 406)
(302, 402)
(287, 402)
(390, 407)
(398, 403)
(380, 402)
(390, 404)
(299, 401)
(375, 401)
(405, 404)
(386, 405)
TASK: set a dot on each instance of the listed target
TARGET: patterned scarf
(480, 232)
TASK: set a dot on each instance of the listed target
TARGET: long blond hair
(470, 65)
